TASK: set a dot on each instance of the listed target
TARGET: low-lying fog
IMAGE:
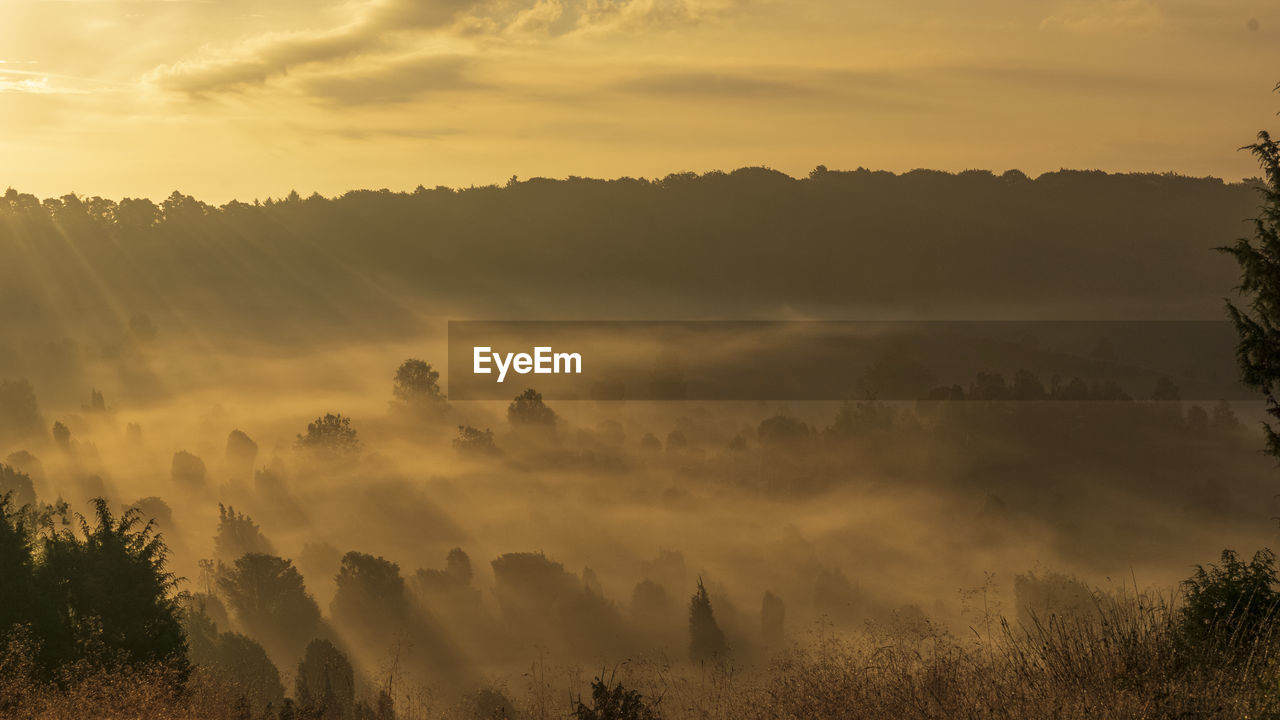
(846, 512)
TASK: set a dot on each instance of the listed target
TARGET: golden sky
(233, 98)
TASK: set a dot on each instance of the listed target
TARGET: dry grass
(1122, 659)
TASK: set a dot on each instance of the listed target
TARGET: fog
(585, 532)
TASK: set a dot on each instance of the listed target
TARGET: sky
(227, 99)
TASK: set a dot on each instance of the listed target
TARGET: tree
(783, 431)
(528, 410)
(649, 603)
(237, 535)
(188, 471)
(241, 452)
(451, 583)
(269, 596)
(370, 589)
(417, 387)
(19, 484)
(239, 661)
(61, 435)
(111, 592)
(706, 639)
(1258, 321)
(1026, 386)
(325, 684)
(97, 403)
(458, 566)
(1224, 418)
(472, 441)
(858, 418)
(772, 615)
(17, 567)
(331, 433)
(230, 659)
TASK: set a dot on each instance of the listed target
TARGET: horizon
(235, 98)
(799, 177)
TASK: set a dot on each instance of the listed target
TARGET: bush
(1230, 604)
(614, 703)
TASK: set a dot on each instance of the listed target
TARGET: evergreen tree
(706, 639)
(1258, 321)
(772, 616)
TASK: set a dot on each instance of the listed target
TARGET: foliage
(96, 593)
(270, 598)
(17, 568)
(18, 483)
(417, 386)
(706, 639)
(61, 435)
(614, 703)
(1234, 599)
(370, 587)
(1258, 321)
(188, 471)
(528, 410)
(111, 591)
(238, 535)
(862, 417)
(782, 431)
(234, 662)
(241, 448)
(324, 687)
(472, 441)
(330, 433)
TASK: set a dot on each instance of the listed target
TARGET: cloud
(401, 80)
(720, 84)
(1073, 79)
(379, 28)
(867, 91)
(262, 59)
(1105, 15)
(38, 83)
(633, 15)
(412, 133)
(273, 55)
(36, 86)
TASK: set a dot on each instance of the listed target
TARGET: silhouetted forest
(1069, 244)
(225, 493)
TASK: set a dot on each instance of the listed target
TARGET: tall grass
(1127, 656)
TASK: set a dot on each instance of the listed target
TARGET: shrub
(614, 703)
(1230, 604)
